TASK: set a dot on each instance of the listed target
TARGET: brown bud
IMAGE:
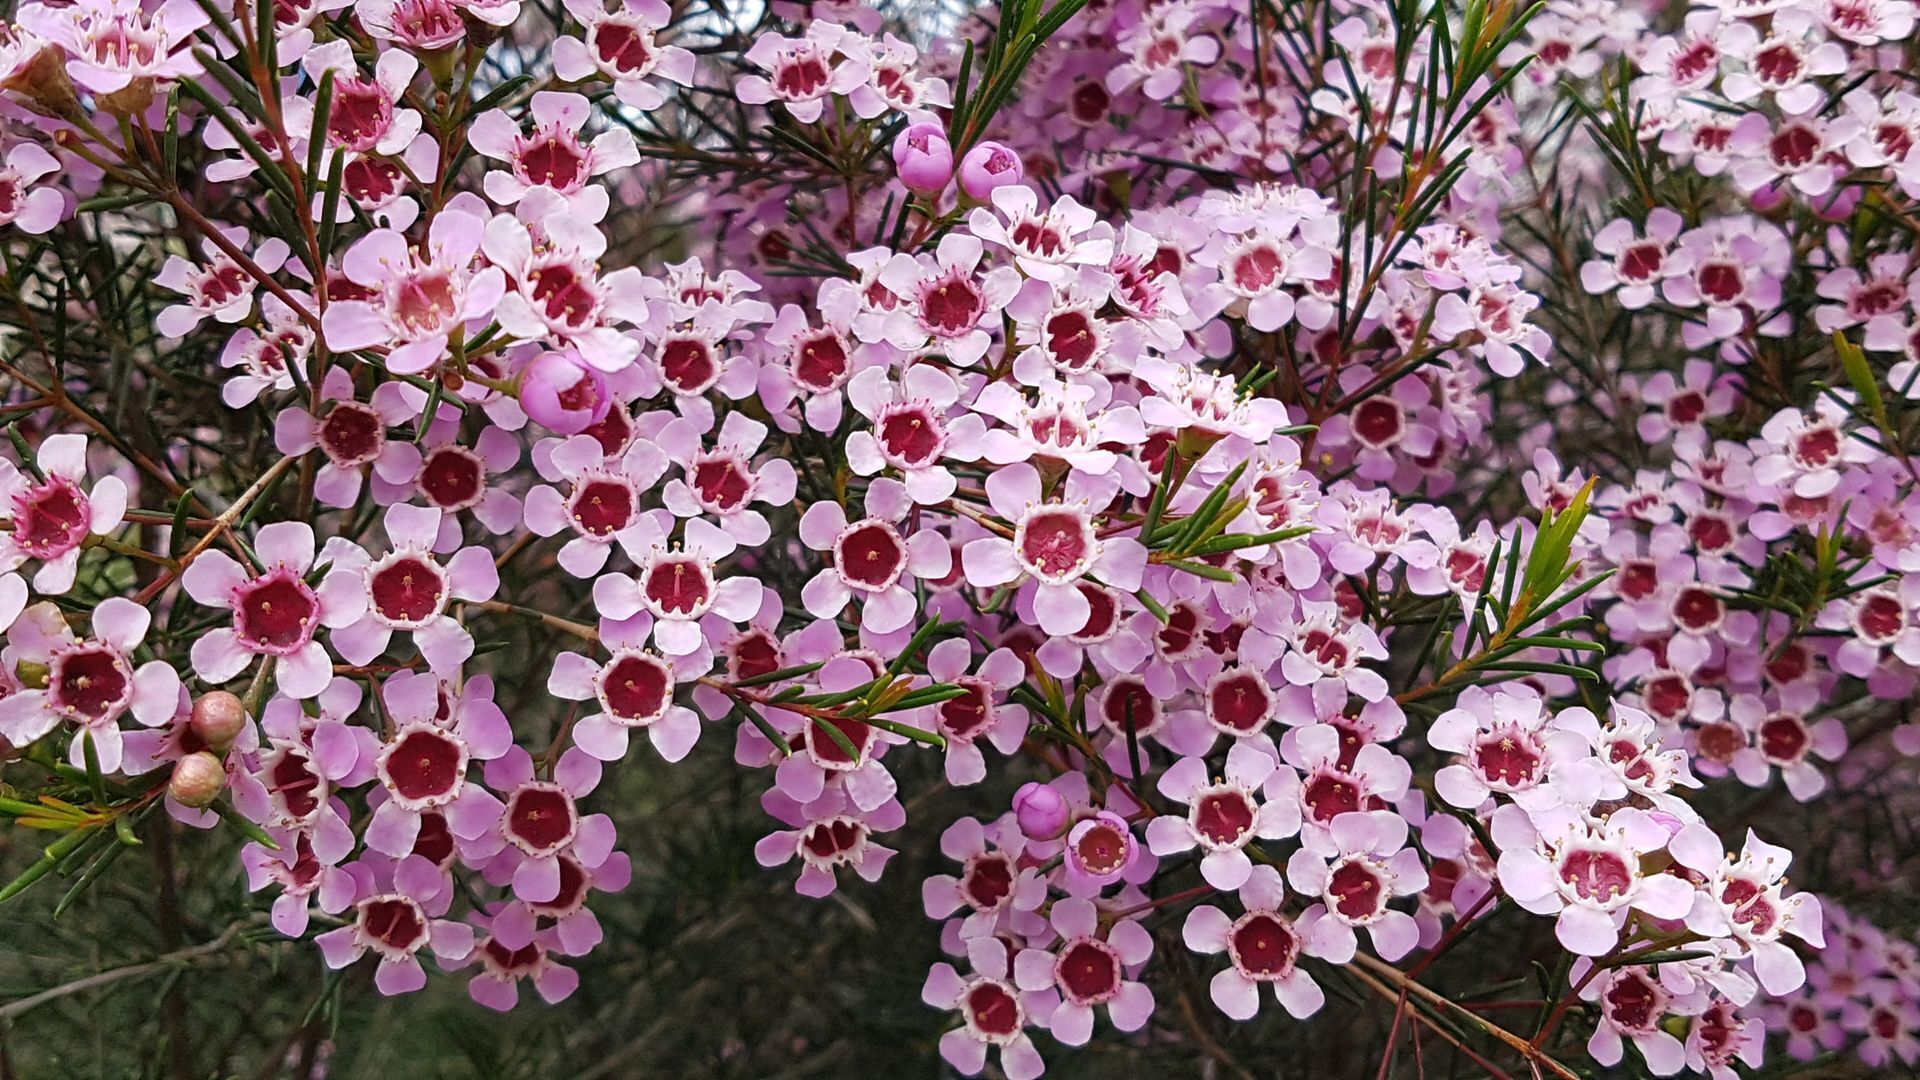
(197, 779)
(218, 718)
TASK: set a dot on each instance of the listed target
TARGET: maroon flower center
(1240, 702)
(1815, 447)
(540, 818)
(1072, 340)
(221, 284)
(1056, 545)
(1511, 758)
(1129, 705)
(721, 484)
(556, 160)
(679, 585)
(1263, 946)
(572, 894)
(1880, 617)
(1223, 816)
(1328, 795)
(1378, 422)
(1784, 739)
(600, 508)
(1803, 1019)
(1466, 568)
(1778, 63)
(1642, 261)
(394, 922)
(910, 436)
(827, 751)
(626, 49)
(801, 76)
(408, 590)
(565, 297)
(952, 305)
(1103, 614)
(453, 478)
(295, 784)
(1089, 971)
(371, 181)
(688, 364)
(512, 961)
(1699, 59)
(1596, 875)
(1719, 742)
(1327, 649)
(1102, 849)
(870, 556)
(820, 361)
(1038, 236)
(1697, 609)
(636, 688)
(968, 715)
(425, 765)
(988, 881)
(1794, 146)
(275, 613)
(352, 434)
(612, 433)
(434, 842)
(993, 1010)
(1686, 407)
(360, 114)
(1089, 103)
(1885, 1024)
(1710, 532)
(423, 301)
(1256, 269)
(1721, 282)
(753, 654)
(50, 518)
(1356, 891)
(91, 681)
(835, 840)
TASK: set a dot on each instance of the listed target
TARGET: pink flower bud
(218, 718)
(988, 166)
(1042, 811)
(923, 157)
(561, 393)
(197, 780)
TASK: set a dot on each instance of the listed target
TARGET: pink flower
(947, 299)
(1086, 968)
(25, 202)
(542, 822)
(995, 1013)
(408, 589)
(353, 436)
(1223, 816)
(602, 504)
(115, 45)
(1048, 244)
(1589, 875)
(1264, 946)
(1355, 887)
(634, 690)
(562, 393)
(621, 45)
(802, 72)
(982, 713)
(552, 156)
(1745, 897)
(871, 560)
(556, 290)
(827, 832)
(366, 115)
(396, 925)
(502, 969)
(419, 295)
(91, 682)
(1054, 544)
(723, 482)
(275, 611)
(677, 586)
(52, 515)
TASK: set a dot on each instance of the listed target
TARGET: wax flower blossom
(417, 297)
(407, 589)
(276, 613)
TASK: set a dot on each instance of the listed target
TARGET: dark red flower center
(602, 507)
(626, 49)
(540, 817)
(1378, 422)
(1263, 946)
(1240, 702)
(1224, 816)
(1356, 891)
(352, 434)
(1330, 794)
(910, 435)
(993, 1010)
(408, 590)
(91, 681)
(275, 613)
(1784, 738)
(637, 688)
(688, 364)
(988, 881)
(834, 840)
(394, 922)
(425, 764)
(952, 305)
(820, 361)
(964, 717)
(1089, 971)
(1102, 849)
(1072, 340)
(1056, 544)
(870, 555)
(1596, 875)
(1633, 1003)
(295, 784)
(50, 517)
(453, 478)
(1512, 758)
(722, 484)
(1128, 704)
(556, 159)
(679, 585)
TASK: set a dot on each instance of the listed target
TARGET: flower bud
(1041, 811)
(988, 166)
(197, 780)
(218, 718)
(923, 157)
(561, 393)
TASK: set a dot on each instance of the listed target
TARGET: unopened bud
(1041, 811)
(218, 718)
(198, 779)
